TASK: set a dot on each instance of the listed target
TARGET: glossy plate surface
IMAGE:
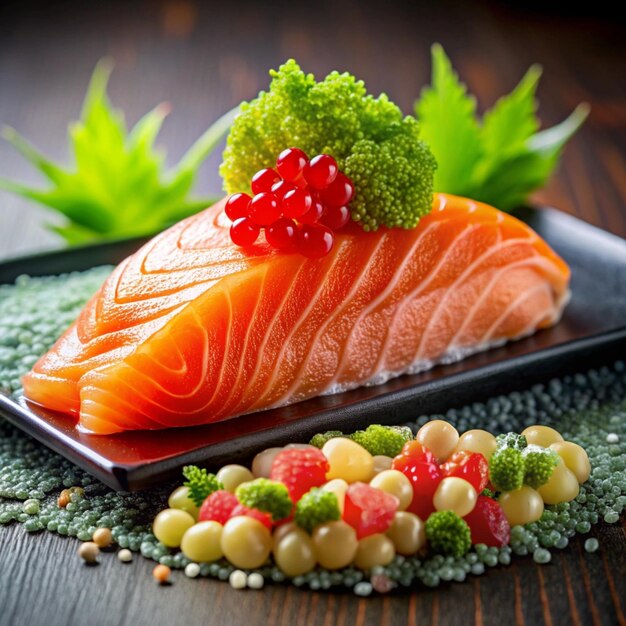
(592, 331)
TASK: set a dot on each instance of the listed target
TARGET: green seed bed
(589, 409)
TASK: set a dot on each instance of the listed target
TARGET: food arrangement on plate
(347, 252)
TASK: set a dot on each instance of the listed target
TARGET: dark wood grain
(204, 60)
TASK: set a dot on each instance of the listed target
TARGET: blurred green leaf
(118, 187)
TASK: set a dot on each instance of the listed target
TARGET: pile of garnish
(299, 205)
(360, 500)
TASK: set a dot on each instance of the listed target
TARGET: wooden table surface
(204, 60)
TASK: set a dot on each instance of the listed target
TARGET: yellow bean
(397, 484)
(348, 460)
(231, 476)
(382, 463)
(575, 458)
(295, 553)
(455, 494)
(521, 506)
(170, 525)
(202, 542)
(439, 437)
(478, 441)
(541, 435)
(374, 550)
(262, 462)
(562, 486)
(245, 542)
(338, 486)
(335, 544)
(407, 533)
(179, 499)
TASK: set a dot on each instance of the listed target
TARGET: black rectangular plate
(592, 331)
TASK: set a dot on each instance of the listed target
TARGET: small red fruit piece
(237, 206)
(368, 510)
(335, 217)
(263, 180)
(321, 171)
(264, 208)
(339, 193)
(280, 188)
(282, 234)
(290, 163)
(261, 516)
(297, 202)
(488, 523)
(218, 507)
(244, 232)
(299, 470)
(471, 466)
(313, 214)
(419, 465)
(315, 241)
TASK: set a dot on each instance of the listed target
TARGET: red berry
(264, 208)
(263, 180)
(488, 523)
(471, 466)
(291, 162)
(321, 171)
(315, 241)
(264, 518)
(218, 507)
(339, 193)
(237, 206)
(335, 217)
(244, 232)
(280, 188)
(297, 202)
(313, 214)
(420, 466)
(368, 510)
(299, 470)
(282, 234)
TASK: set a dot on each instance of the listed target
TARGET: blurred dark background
(205, 57)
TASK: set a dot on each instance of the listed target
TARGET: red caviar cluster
(299, 204)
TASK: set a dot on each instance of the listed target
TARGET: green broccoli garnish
(488, 493)
(374, 144)
(448, 534)
(506, 469)
(321, 438)
(316, 507)
(266, 495)
(201, 484)
(539, 463)
(386, 440)
(511, 440)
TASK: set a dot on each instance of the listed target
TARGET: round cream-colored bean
(245, 542)
(335, 544)
(262, 462)
(179, 499)
(382, 463)
(455, 494)
(374, 550)
(231, 476)
(439, 437)
(407, 533)
(575, 458)
(348, 460)
(542, 436)
(562, 486)
(397, 484)
(295, 553)
(338, 486)
(479, 441)
(202, 542)
(521, 506)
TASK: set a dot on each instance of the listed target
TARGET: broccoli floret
(511, 440)
(506, 469)
(201, 484)
(374, 144)
(448, 534)
(316, 507)
(539, 463)
(386, 440)
(321, 438)
(489, 493)
(269, 496)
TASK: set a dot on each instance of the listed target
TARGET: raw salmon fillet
(192, 329)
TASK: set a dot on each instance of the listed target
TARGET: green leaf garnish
(500, 159)
(118, 187)
(200, 483)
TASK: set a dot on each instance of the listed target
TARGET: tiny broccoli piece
(200, 483)
(378, 148)
(269, 496)
(489, 493)
(316, 507)
(448, 534)
(539, 463)
(511, 440)
(506, 469)
(385, 440)
(321, 438)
